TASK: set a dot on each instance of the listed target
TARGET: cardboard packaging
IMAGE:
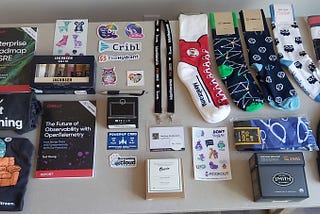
(164, 178)
(278, 177)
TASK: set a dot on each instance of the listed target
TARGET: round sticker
(134, 31)
(107, 31)
(193, 52)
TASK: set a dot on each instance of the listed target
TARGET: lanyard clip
(170, 117)
(158, 119)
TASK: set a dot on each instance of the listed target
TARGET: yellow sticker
(247, 135)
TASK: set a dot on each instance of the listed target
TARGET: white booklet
(211, 160)
(71, 37)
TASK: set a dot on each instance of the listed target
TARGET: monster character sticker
(135, 78)
(70, 37)
(134, 31)
(109, 76)
(108, 31)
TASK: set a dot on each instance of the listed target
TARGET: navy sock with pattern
(275, 84)
(232, 68)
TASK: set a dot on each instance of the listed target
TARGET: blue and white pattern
(291, 133)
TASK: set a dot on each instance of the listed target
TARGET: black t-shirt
(15, 164)
(19, 112)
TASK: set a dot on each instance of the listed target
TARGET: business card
(166, 138)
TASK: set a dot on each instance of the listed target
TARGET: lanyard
(169, 68)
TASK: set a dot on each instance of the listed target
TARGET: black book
(66, 147)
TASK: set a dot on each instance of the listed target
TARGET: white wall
(36, 11)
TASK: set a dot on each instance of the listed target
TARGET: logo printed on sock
(192, 52)
(199, 93)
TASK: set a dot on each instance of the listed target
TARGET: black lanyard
(157, 71)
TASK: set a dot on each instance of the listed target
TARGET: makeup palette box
(63, 74)
(164, 178)
(278, 177)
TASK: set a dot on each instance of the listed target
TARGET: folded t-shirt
(15, 164)
(19, 112)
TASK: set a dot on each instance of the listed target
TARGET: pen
(124, 92)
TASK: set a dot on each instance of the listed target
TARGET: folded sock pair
(274, 82)
(291, 51)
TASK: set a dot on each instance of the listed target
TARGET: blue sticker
(134, 31)
(122, 141)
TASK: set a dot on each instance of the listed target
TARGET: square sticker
(135, 78)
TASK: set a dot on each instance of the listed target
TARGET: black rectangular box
(63, 74)
(278, 176)
(122, 112)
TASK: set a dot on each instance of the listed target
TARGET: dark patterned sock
(233, 70)
(275, 85)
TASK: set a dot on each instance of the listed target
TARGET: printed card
(164, 175)
(211, 159)
(224, 23)
(70, 37)
(166, 138)
(122, 141)
(253, 20)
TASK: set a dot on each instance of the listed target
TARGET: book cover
(67, 138)
(211, 160)
(70, 37)
(17, 48)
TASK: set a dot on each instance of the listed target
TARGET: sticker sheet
(211, 160)
(71, 37)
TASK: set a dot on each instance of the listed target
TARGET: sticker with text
(122, 141)
(128, 47)
(117, 161)
(107, 58)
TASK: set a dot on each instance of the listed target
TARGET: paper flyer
(211, 160)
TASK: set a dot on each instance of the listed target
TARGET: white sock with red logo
(194, 69)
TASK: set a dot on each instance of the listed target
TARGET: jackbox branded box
(63, 74)
(278, 177)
